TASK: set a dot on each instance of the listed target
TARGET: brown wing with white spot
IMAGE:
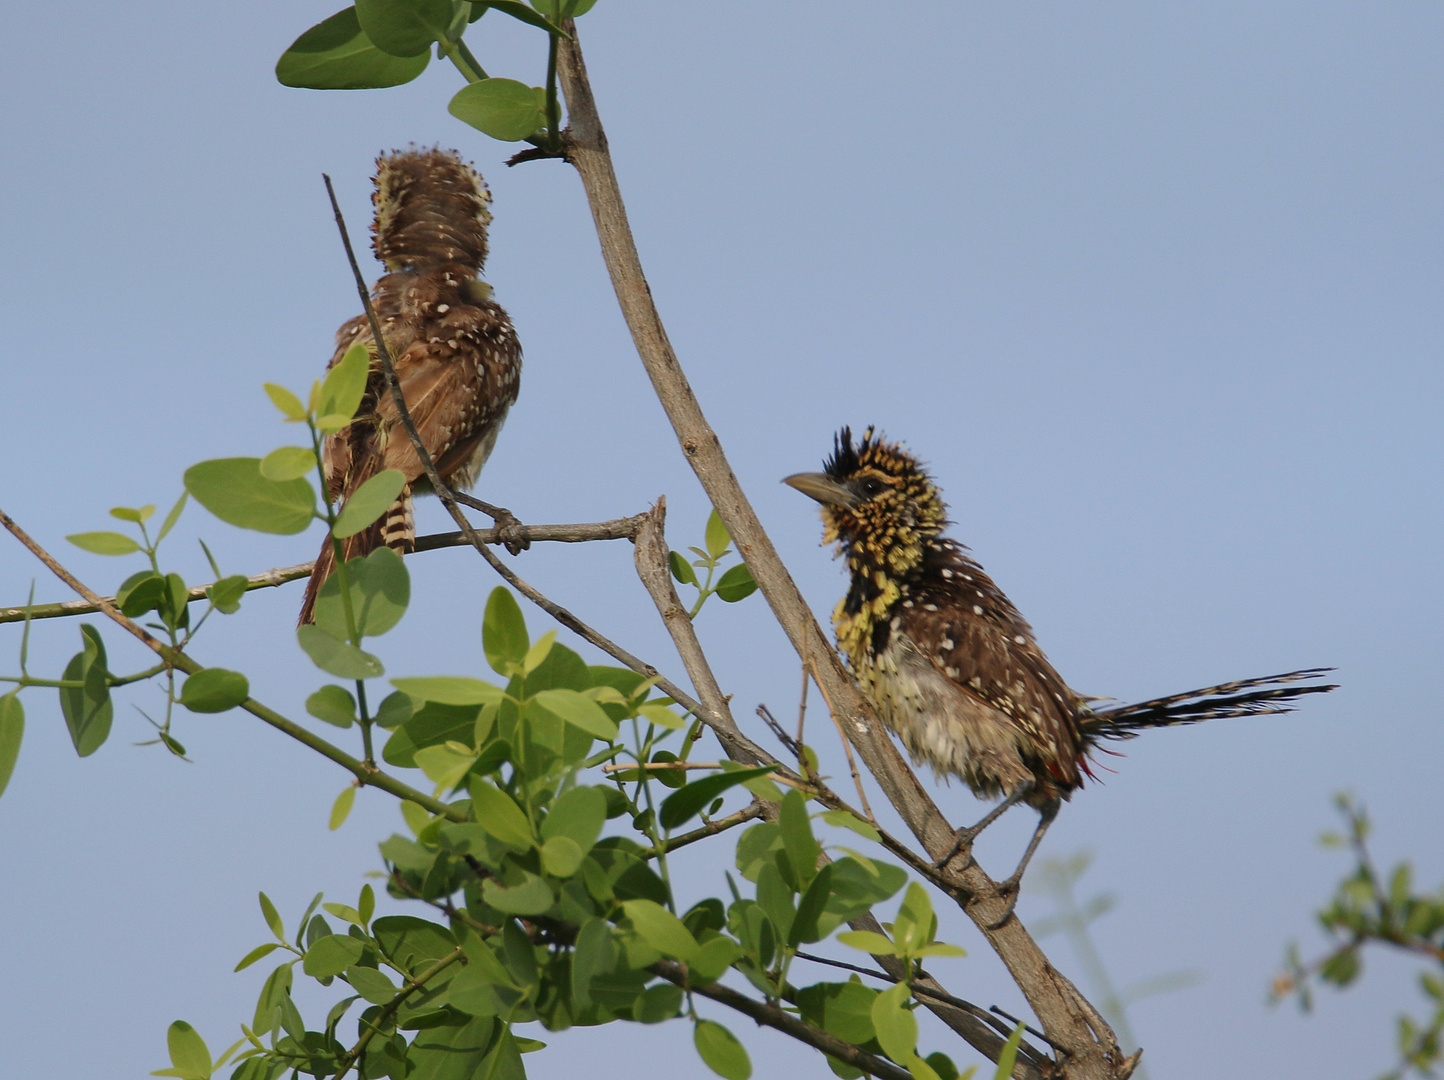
(975, 636)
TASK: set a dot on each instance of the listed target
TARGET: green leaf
(660, 715)
(132, 514)
(868, 942)
(277, 988)
(532, 897)
(736, 584)
(913, 926)
(331, 955)
(235, 491)
(12, 731)
(578, 814)
(503, 633)
(561, 856)
(850, 821)
(502, 108)
(684, 804)
(338, 658)
(369, 502)
(188, 1052)
(797, 840)
(897, 1027)
(412, 944)
(661, 929)
(371, 984)
(394, 710)
(578, 710)
(272, 917)
(712, 959)
(345, 384)
(717, 536)
(141, 592)
(366, 904)
(337, 55)
(450, 690)
(288, 462)
(557, 9)
(404, 27)
(341, 808)
(809, 910)
(721, 1051)
(518, 10)
(497, 813)
(538, 653)
(333, 704)
(380, 593)
(445, 765)
(226, 594)
(104, 543)
(841, 1009)
(255, 954)
(88, 709)
(172, 517)
(214, 690)
(289, 404)
(681, 568)
(1009, 1057)
(940, 948)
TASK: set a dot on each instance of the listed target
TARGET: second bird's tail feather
(1271, 694)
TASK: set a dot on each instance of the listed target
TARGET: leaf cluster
(1372, 909)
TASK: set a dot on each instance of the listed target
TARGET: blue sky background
(1155, 288)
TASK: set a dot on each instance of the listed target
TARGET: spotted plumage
(949, 663)
(456, 354)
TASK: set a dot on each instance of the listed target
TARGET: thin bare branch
(785, 1022)
(619, 529)
(366, 773)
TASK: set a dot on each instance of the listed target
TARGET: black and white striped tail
(1247, 697)
(395, 529)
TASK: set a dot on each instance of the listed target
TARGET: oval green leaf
(499, 815)
(336, 657)
(12, 731)
(333, 704)
(661, 929)
(289, 404)
(897, 1028)
(578, 813)
(371, 984)
(341, 808)
(288, 462)
(502, 108)
(235, 491)
(188, 1051)
(503, 633)
(578, 710)
(337, 55)
(561, 856)
(450, 690)
(736, 584)
(104, 543)
(720, 1049)
(214, 690)
(532, 897)
(226, 594)
(369, 502)
(404, 27)
(331, 955)
(682, 805)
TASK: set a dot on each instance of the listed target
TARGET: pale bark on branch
(1066, 1017)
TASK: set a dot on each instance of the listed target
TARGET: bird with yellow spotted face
(949, 663)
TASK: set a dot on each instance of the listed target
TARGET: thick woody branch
(1064, 1015)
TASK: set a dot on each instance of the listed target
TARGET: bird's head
(878, 503)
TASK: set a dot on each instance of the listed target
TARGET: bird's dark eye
(870, 486)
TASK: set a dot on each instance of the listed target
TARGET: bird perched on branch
(952, 667)
(456, 355)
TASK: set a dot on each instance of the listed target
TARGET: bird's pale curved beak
(820, 486)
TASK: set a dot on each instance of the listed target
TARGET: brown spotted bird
(456, 355)
(951, 666)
